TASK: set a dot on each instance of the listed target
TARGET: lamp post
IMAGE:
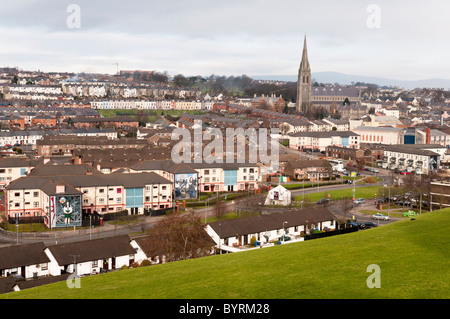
(17, 230)
(285, 222)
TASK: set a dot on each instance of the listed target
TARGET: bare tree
(346, 205)
(220, 208)
(179, 236)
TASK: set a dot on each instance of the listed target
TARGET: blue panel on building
(230, 177)
(345, 141)
(410, 139)
(135, 197)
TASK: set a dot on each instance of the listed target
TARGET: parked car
(359, 201)
(380, 216)
(323, 201)
(356, 224)
(360, 225)
(370, 225)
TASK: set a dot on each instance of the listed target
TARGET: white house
(278, 196)
(27, 260)
(90, 256)
(229, 235)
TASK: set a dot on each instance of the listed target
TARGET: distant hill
(346, 79)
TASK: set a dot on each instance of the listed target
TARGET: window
(17, 194)
(35, 194)
(119, 190)
(35, 204)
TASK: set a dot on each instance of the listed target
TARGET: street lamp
(284, 230)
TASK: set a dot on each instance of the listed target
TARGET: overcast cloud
(253, 37)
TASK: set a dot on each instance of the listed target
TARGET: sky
(403, 40)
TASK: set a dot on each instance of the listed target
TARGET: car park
(380, 216)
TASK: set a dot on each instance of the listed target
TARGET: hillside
(347, 79)
(412, 255)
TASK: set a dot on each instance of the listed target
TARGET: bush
(370, 180)
(145, 262)
(252, 241)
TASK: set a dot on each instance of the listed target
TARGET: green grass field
(412, 256)
(360, 192)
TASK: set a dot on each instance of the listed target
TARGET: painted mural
(65, 211)
(186, 186)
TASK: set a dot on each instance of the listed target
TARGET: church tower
(304, 83)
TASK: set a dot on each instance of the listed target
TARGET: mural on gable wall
(186, 186)
(65, 211)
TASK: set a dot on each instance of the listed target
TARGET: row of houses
(31, 137)
(152, 104)
(148, 185)
(38, 263)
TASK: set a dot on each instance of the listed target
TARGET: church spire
(304, 82)
(304, 63)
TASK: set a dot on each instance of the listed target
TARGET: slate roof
(55, 170)
(262, 223)
(90, 250)
(22, 255)
(127, 180)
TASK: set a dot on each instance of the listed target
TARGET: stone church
(331, 97)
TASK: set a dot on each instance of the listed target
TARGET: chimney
(428, 136)
(60, 189)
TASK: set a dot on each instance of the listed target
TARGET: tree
(180, 81)
(346, 205)
(219, 208)
(178, 237)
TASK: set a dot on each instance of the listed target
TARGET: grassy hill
(412, 255)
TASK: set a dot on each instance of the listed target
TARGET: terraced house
(421, 158)
(47, 197)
